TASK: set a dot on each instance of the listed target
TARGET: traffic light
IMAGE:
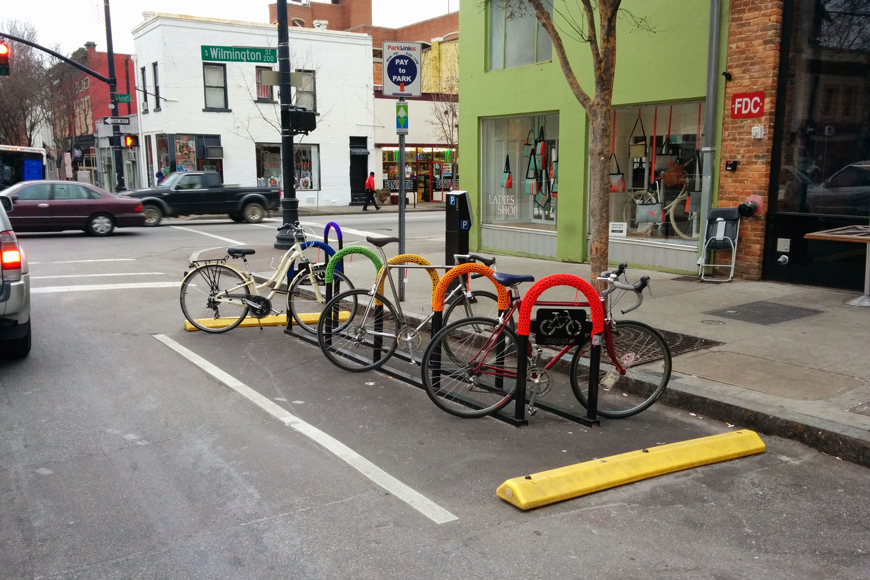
(130, 141)
(4, 59)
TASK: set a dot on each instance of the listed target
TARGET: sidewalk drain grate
(684, 343)
(764, 313)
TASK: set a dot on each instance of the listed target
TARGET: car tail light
(139, 207)
(10, 256)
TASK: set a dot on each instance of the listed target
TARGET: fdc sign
(402, 69)
(747, 105)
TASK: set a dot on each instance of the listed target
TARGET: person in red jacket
(370, 193)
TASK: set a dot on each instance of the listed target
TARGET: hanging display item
(637, 143)
(541, 149)
(665, 159)
(554, 174)
(649, 213)
(527, 146)
(507, 180)
(617, 178)
(533, 187)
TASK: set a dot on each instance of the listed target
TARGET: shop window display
(430, 171)
(529, 147)
(655, 171)
(307, 167)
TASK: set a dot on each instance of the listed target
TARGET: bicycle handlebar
(637, 288)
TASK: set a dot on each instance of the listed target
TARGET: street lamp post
(113, 90)
(289, 203)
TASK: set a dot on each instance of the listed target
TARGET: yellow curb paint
(280, 320)
(540, 489)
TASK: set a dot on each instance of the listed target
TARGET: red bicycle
(470, 366)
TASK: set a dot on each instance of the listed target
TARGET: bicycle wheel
(203, 299)
(629, 211)
(646, 359)
(470, 367)
(681, 220)
(302, 301)
(366, 339)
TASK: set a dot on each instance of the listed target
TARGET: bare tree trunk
(599, 194)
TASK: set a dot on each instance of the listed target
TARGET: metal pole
(113, 90)
(401, 209)
(709, 142)
(289, 204)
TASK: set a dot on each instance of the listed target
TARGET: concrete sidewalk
(788, 360)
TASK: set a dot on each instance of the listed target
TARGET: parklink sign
(239, 54)
(402, 69)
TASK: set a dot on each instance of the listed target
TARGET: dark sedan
(53, 206)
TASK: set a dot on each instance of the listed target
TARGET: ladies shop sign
(503, 205)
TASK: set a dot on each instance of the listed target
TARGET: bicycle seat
(239, 252)
(381, 242)
(512, 279)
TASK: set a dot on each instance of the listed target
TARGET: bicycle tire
(301, 300)
(629, 212)
(447, 368)
(347, 346)
(211, 277)
(487, 307)
(681, 220)
(647, 361)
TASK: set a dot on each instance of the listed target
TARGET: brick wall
(754, 32)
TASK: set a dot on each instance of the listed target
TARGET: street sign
(402, 118)
(402, 67)
(239, 54)
(116, 120)
(124, 98)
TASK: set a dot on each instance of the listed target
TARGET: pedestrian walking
(370, 193)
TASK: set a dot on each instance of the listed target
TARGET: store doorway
(359, 169)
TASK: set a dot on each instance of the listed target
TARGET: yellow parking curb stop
(540, 489)
(279, 320)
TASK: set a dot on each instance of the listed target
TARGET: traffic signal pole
(289, 203)
(113, 95)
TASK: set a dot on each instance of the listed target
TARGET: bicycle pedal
(532, 411)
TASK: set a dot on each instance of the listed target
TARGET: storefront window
(531, 201)
(185, 153)
(149, 160)
(307, 167)
(655, 171)
(826, 130)
(428, 170)
(163, 162)
(268, 164)
(516, 37)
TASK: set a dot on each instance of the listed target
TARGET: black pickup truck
(201, 193)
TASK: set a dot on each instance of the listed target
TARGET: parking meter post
(401, 208)
(379, 328)
(457, 227)
(594, 367)
(522, 370)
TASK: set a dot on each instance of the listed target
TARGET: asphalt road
(130, 448)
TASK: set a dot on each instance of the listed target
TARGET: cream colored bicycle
(216, 296)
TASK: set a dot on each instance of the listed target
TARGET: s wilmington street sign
(239, 54)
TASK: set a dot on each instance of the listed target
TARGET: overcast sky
(71, 23)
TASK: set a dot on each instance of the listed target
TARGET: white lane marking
(273, 229)
(227, 240)
(347, 230)
(98, 275)
(413, 498)
(91, 287)
(87, 261)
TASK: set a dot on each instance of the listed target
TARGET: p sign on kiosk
(402, 69)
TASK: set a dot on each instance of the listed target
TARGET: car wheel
(153, 215)
(237, 217)
(17, 347)
(253, 213)
(100, 225)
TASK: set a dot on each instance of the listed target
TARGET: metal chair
(723, 227)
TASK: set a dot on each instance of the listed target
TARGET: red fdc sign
(747, 105)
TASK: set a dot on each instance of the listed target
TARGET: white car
(14, 290)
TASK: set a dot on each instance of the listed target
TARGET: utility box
(458, 221)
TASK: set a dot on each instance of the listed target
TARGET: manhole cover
(764, 313)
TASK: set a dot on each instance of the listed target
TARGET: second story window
(215, 79)
(264, 92)
(144, 88)
(156, 87)
(306, 92)
(515, 36)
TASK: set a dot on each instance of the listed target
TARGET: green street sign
(239, 54)
(402, 118)
(123, 98)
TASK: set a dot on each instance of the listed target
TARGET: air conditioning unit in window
(131, 154)
(214, 152)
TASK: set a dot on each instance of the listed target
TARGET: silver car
(14, 290)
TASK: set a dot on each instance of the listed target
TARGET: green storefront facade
(514, 92)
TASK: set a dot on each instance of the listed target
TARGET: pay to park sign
(402, 69)
(239, 54)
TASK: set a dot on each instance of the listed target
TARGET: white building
(203, 108)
